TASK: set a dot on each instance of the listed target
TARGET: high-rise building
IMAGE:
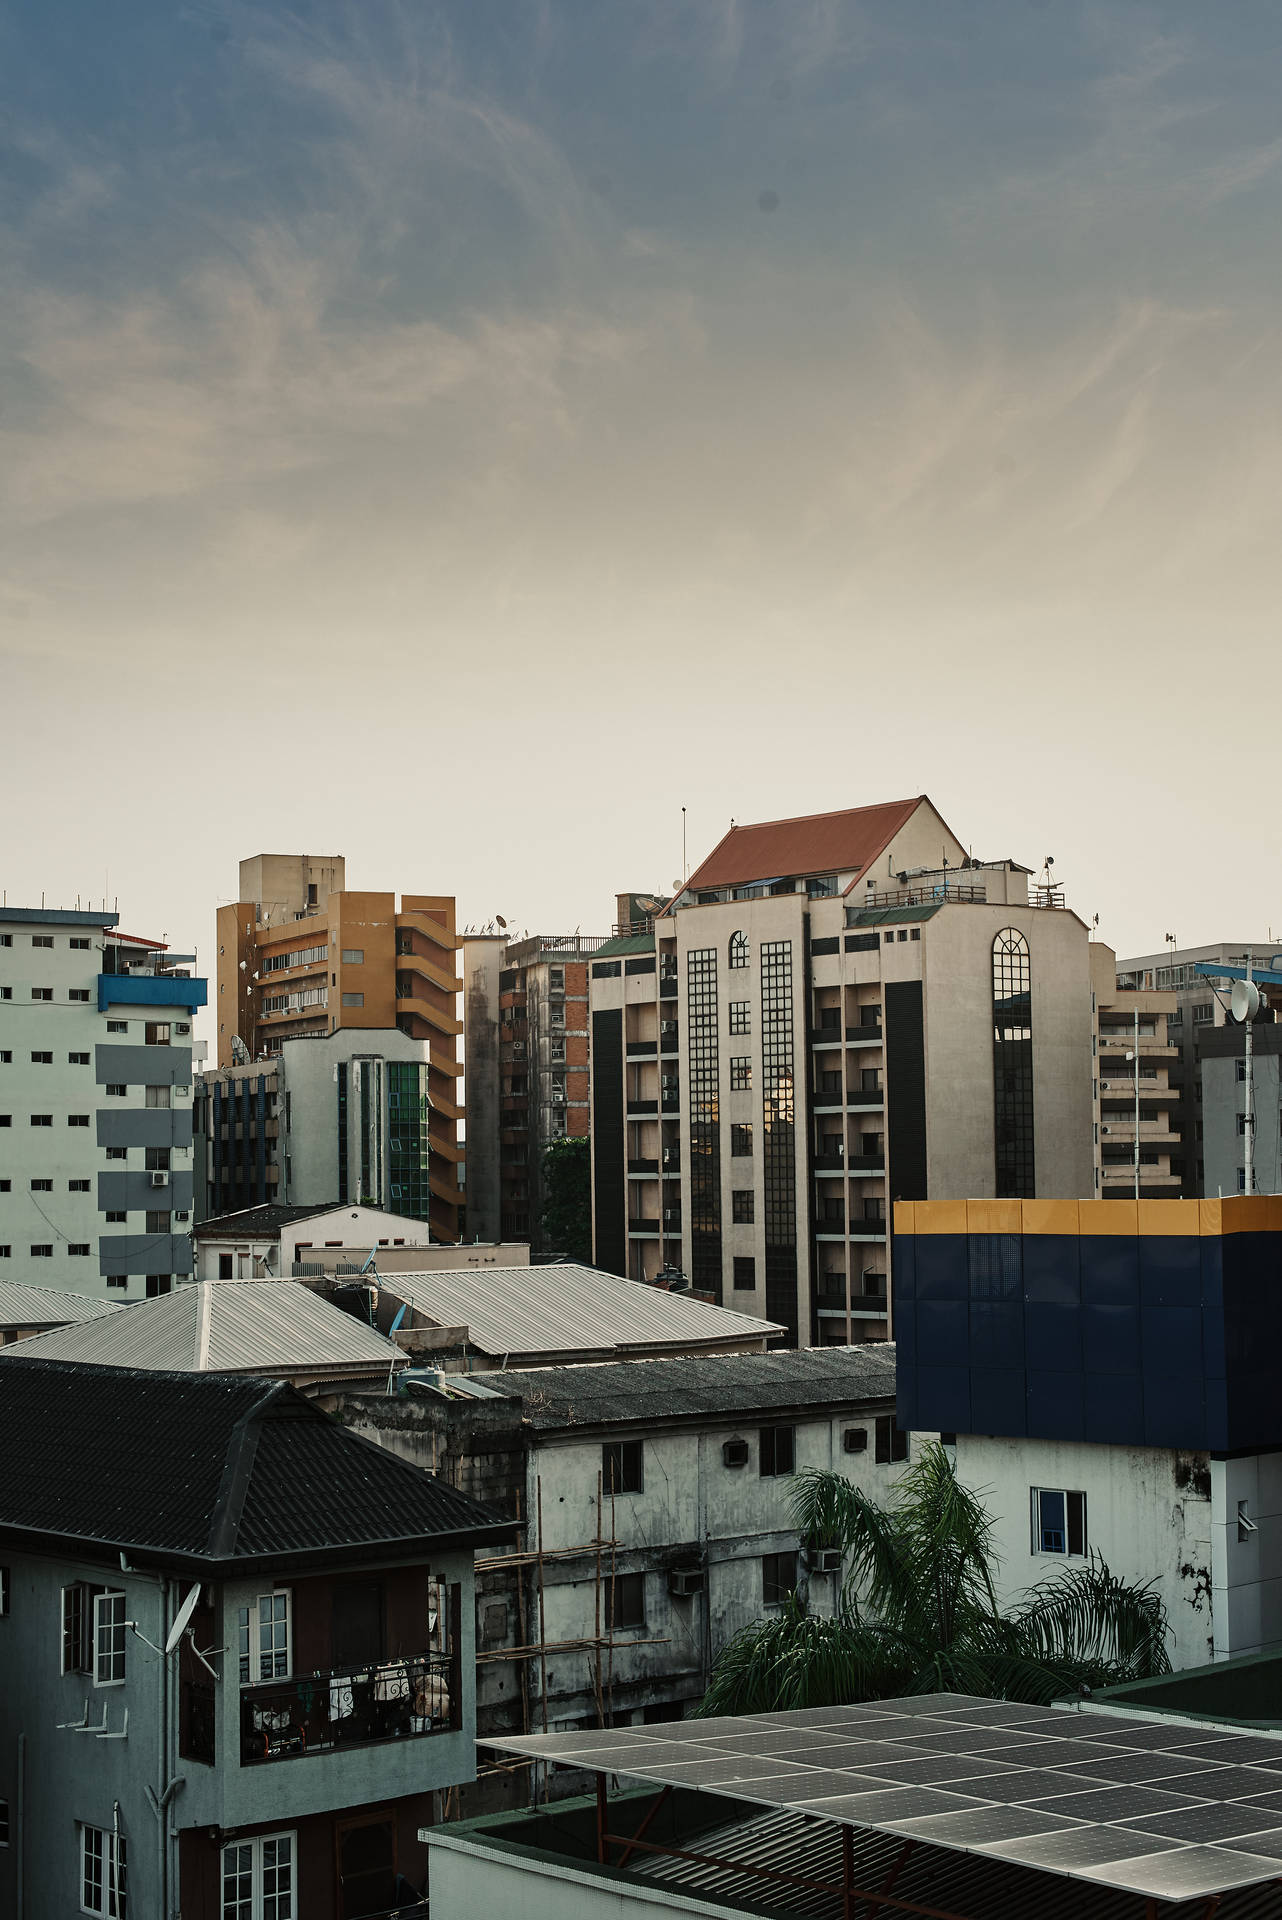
(1198, 1012)
(1137, 1087)
(95, 1104)
(526, 1049)
(343, 1116)
(835, 1012)
(301, 957)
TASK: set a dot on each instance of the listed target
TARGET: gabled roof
(519, 1312)
(812, 843)
(22, 1306)
(732, 1385)
(257, 1221)
(208, 1473)
(273, 1327)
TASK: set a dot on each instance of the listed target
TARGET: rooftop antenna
(685, 864)
(1245, 1001)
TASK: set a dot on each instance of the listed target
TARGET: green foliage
(918, 1612)
(566, 1218)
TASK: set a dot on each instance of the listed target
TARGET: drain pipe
(22, 1825)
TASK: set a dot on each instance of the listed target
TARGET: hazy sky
(457, 435)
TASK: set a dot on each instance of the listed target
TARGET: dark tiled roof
(208, 1471)
(814, 843)
(735, 1385)
(625, 943)
(258, 1220)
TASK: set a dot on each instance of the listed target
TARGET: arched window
(738, 949)
(1012, 1067)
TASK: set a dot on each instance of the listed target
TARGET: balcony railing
(318, 1712)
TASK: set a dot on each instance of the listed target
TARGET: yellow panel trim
(994, 1216)
(1049, 1216)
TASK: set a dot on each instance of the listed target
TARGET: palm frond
(1088, 1618)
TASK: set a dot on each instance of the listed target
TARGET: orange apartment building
(300, 956)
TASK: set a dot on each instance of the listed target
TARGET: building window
(1012, 1067)
(743, 1207)
(158, 1096)
(77, 1652)
(622, 1466)
(78, 993)
(77, 1059)
(117, 1153)
(116, 1090)
(777, 1451)
(1203, 1013)
(158, 1284)
(778, 1578)
(557, 1048)
(740, 1073)
(42, 939)
(116, 1217)
(117, 1279)
(42, 1186)
(264, 1637)
(80, 946)
(740, 1016)
(77, 1186)
(891, 1443)
(225, 1266)
(705, 1119)
(42, 1119)
(42, 1058)
(625, 1601)
(108, 1639)
(353, 999)
(778, 1142)
(157, 1221)
(258, 1878)
(42, 993)
(1059, 1521)
(745, 1272)
(42, 1251)
(355, 956)
(156, 1033)
(77, 1119)
(77, 1247)
(117, 1026)
(6, 1252)
(102, 1872)
(738, 949)
(156, 1159)
(740, 1141)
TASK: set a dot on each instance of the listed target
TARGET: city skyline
(594, 412)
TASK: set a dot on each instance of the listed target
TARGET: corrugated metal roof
(814, 843)
(252, 1221)
(625, 943)
(889, 916)
(22, 1306)
(223, 1326)
(729, 1384)
(567, 1309)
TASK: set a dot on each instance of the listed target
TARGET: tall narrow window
(738, 949)
(778, 1133)
(705, 1119)
(1012, 1067)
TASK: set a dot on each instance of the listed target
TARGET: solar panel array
(1169, 1810)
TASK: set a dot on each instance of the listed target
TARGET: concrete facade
(96, 1186)
(299, 955)
(1222, 1084)
(527, 1051)
(1135, 1041)
(775, 1062)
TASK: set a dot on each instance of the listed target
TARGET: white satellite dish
(1244, 1001)
(182, 1619)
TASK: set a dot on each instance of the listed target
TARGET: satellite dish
(500, 921)
(1244, 1001)
(183, 1618)
(647, 905)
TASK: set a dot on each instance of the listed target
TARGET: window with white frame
(258, 1878)
(109, 1639)
(103, 1872)
(264, 1637)
(1059, 1521)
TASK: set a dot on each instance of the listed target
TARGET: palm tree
(918, 1613)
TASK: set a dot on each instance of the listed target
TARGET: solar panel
(978, 1827)
(1184, 1872)
(1054, 1753)
(849, 1753)
(935, 1767)
(1218, 1820)
(1241, 1748)
(1128, 1768)
(1076, 1846)
(891, 1804)
(1130, 1804)
(971, 1740)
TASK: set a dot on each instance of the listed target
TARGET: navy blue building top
(1150, 1323)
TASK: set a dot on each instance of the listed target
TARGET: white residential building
(95, 1105)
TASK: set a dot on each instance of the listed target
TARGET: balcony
(645, 1049)
(867, 1163)
(833, 1097)
(864, 1036)
(643, 1166)
(826, 1037)
(642, 1107)
(865, 1098)
(667, 986)
(394, 1700)
(669, 1037)
(829, 1163)
(642, 1225)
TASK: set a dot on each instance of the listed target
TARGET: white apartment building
(95, 1105)
(834, 1013)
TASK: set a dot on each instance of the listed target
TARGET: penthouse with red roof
(835, 1011)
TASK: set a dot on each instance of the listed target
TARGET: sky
(459, 436)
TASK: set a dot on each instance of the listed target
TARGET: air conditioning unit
(685, 1582)
(855, 1440)
(821, 1559)
(183, 1026)
(672, 1216)
(159, 1179)
(184, 1215)
(734, 1453)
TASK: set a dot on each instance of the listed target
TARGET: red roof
(814, 843)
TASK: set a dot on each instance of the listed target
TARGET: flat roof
(56, 917)
(1165, 1811)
